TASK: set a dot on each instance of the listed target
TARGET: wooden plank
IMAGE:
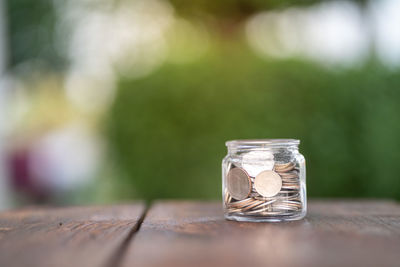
(75, 236)
(341, 233)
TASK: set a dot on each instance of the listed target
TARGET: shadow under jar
(264, 181)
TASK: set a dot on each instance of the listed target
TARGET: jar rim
(254, 143)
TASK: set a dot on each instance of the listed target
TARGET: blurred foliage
(168, 130)
(32, 24)
(236, 8)
(32, 33)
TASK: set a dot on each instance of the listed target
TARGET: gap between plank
(116, 258)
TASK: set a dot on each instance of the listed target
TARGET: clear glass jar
(264, 180)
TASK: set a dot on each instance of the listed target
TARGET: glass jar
(264, 180)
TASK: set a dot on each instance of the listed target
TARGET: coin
(284, 167)
(255, 162)
(290, 180)
(268, 183)
(241, 203)
(253, 204)
(294, 187)
(289, 174)
(228, 198)
(265, 203)
(238, 183)
(279, 197)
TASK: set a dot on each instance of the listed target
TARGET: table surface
(187, 233)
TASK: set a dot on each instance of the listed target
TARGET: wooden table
(183, 233)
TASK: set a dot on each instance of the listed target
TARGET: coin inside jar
(268, 183)
(238, 183)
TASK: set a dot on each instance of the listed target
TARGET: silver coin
(268, 183)
(238, 183)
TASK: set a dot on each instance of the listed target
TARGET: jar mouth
(261, 143)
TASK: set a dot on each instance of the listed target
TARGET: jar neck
(267, 145)
(236, 150)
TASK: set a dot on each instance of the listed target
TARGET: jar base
(247, 218)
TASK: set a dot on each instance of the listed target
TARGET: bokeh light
(105, 101)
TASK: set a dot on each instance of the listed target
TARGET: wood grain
(334, 233)
(75, 236)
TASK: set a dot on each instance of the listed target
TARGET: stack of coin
(269, 193)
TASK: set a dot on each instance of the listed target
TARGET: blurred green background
(160, 86)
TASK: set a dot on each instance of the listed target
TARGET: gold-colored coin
(284, 167)
(268, 183)
(253, 204)
(238, 183)
(240, 203)
(228, 197)
(289, 175)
